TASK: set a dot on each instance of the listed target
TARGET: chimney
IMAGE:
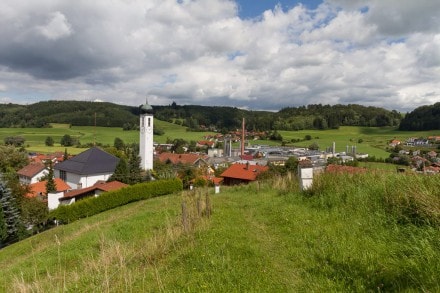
(242, 138)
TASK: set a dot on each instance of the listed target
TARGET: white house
(32, 173)
(86, 168)
(56, 199)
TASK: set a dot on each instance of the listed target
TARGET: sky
(251, 54)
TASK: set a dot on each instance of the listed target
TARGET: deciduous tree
(49, 141)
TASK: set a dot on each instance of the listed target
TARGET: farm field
(374, 140)
(35, 137)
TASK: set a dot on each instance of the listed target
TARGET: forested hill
(327, 116)
(78, 113)
(81, 113)
(422, 118)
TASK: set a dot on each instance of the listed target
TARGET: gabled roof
(39, 188)
(100, 185)
(213, 179)
(54, 157)
(181, 158)
(92, 161)
(31, 170)
(244, 171)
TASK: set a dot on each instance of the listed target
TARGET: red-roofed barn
(242, 173)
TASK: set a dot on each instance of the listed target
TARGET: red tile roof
(215, 180)
(39, 188)
(100, 185)
(31, 170)
(180, 158)
(55, 157)
(244, 171)
(206, 142)
(432, 169)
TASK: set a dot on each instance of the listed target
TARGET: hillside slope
(341, 236)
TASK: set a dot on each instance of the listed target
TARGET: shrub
(109, 200)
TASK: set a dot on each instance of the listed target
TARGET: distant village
(88, 173)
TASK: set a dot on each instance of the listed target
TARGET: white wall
(305, 178)
(35, 179)
(76, 181)
(53, 200)
(146, 144)
(90, 180)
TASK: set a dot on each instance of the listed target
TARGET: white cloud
(57, 27)
(201, 52)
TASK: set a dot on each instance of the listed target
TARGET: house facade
(86, 168)
(32, 173)
(56, 199)
(242, 173)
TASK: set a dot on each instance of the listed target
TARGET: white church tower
(146, 136)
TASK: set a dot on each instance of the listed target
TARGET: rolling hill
(349, 233)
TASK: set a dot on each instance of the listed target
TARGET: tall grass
(349, 233)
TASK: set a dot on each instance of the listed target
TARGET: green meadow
(349, 233)
(371, 140)
(35, 137)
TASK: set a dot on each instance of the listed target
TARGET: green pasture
(35, 137)
(374, 139)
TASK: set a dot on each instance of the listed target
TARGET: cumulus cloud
(382, 53)
(57, 27)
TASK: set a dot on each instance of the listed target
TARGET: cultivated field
(374, 139)
(371, 140)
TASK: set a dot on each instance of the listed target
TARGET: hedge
(112, 199)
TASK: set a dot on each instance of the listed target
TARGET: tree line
(422, 118)
(195, 117)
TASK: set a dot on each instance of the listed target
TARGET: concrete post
(305, 177)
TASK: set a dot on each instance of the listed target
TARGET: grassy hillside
(367, 232)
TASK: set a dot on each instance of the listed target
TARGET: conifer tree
(121, 172)
(50, 183)
(3, 230)
(134, 169)
(66, 155)
(11, 214)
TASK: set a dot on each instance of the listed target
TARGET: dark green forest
(422, 118)
(80, 113)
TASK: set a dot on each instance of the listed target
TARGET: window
(142, 121)
(149, 122)
(63, 175)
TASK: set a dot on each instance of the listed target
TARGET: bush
(109, 200)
